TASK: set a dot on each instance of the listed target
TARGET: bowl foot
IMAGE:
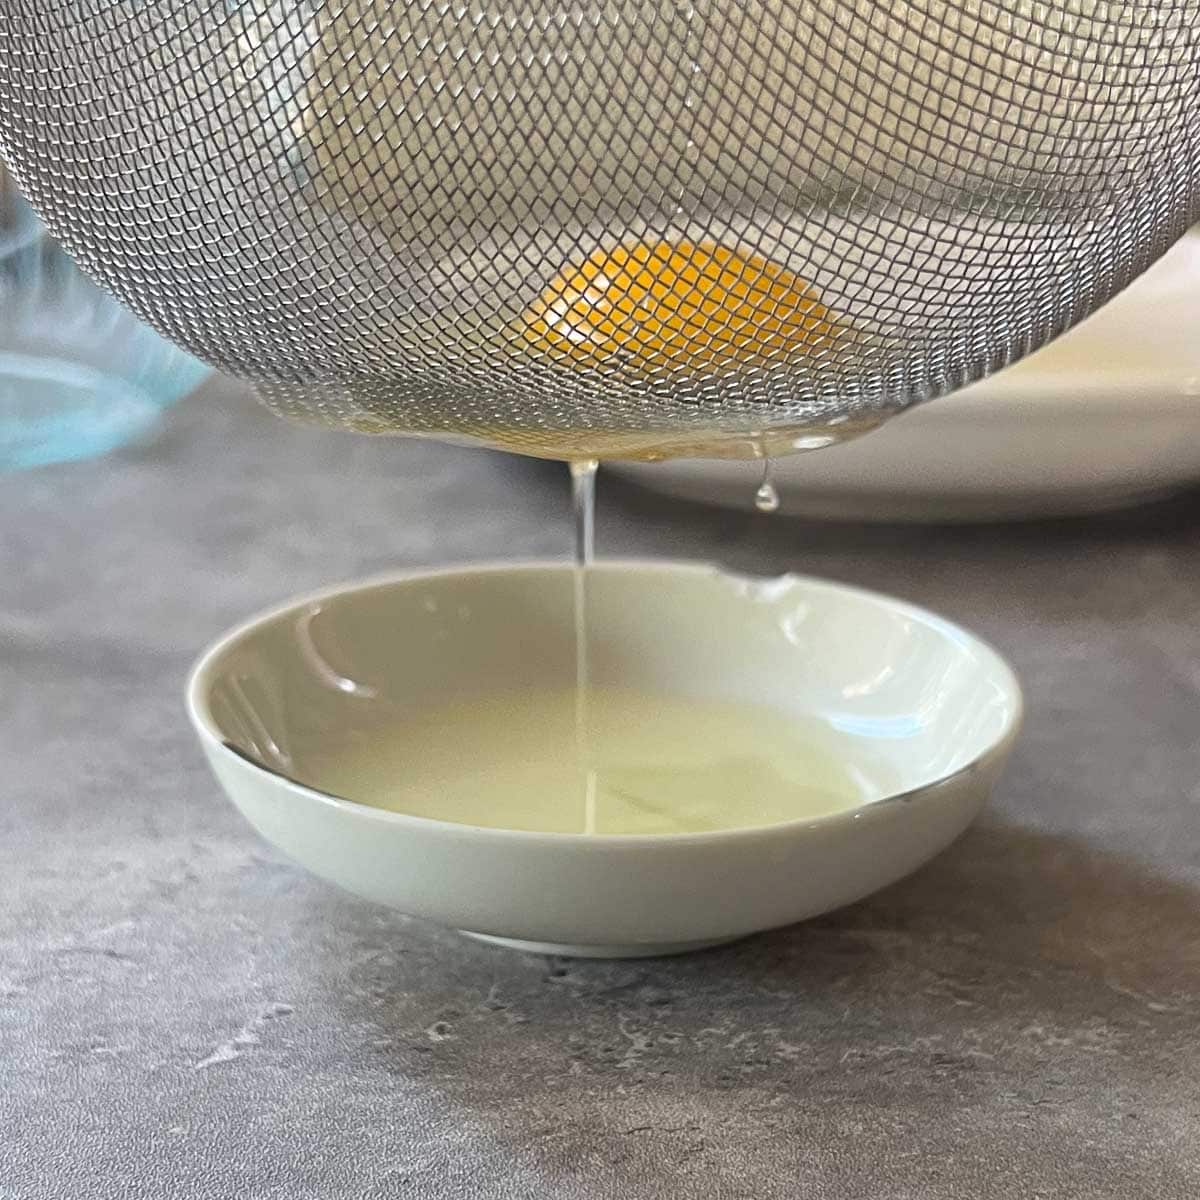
(604, 950)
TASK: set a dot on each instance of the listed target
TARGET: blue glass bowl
(79, 374)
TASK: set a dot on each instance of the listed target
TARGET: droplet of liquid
(766, 499)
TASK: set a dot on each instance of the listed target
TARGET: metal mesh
(607, 226)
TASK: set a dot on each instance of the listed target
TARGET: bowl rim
(196, 700)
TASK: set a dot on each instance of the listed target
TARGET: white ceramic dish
(1106, 416)
(924, 698)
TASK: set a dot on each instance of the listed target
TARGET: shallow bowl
(925, 709)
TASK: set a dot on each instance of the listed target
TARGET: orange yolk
(662, 306)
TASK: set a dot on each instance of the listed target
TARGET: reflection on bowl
(920, 712)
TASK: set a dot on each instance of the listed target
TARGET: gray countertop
(185, 1014)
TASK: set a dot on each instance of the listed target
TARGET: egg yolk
(661, 306)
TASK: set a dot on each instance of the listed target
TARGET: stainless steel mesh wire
(604, 227)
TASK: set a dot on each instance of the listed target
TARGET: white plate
(899, 688)
(1106, 416)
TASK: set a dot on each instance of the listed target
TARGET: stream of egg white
(583, 500)
(583, 505)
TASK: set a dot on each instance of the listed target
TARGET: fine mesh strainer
(607, 227)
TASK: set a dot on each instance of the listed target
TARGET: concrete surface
(184, 1014)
